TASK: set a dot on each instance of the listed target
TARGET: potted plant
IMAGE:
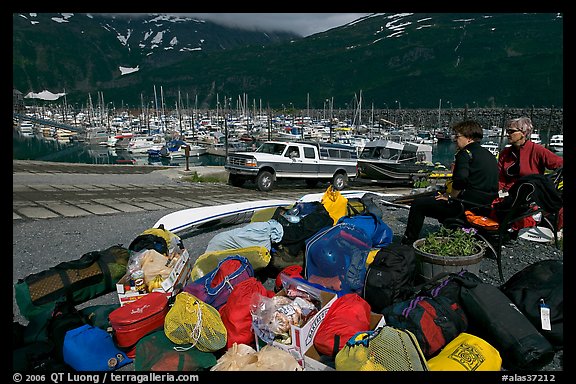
(448, 250)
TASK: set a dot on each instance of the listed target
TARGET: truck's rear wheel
(236, 180)
(339, 181)
(265, 181)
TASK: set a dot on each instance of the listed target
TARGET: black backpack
(540, 283)
(390, 276)
(435, 321)
(295, 234)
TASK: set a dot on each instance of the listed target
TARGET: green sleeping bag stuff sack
(93, 274)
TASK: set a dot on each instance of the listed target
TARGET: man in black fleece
(474, 179)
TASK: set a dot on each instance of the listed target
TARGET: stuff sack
(138, 318)
(92, 275)
(215, 287)
(335, 203)
(90, 348)
(493, 317)
(236, 314)
(468, 353)
(390, 276)
(336, 258)
(348, 315)
(435, 321)
(538, 292)
(379, 233)
(383, 349)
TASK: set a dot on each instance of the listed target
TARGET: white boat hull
(192, 218)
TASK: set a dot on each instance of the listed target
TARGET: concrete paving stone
(111, 186)
(43, 187)
(96, 209)
(89, 187)
(163, 203)
(220, 201)
(15, 216)
(145, 205)
(151, 187)
(238, 200)
(66, 210)
(19, 188)
(63, 187)
(24, 203)
(116, 204)
(37, 213)
(186, 202)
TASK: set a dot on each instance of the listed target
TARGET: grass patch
(196, 178)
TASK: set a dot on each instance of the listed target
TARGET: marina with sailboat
(147, 137)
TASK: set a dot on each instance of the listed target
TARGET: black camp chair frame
(496, 238)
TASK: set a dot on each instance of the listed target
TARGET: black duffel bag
(493, 317)
(536, 288)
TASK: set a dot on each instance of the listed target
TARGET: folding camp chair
(505, 220)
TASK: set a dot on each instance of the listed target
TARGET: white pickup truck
(304, 160)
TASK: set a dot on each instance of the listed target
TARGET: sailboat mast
(156, 105)
(163, 117)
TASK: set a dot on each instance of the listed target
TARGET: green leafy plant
(451, 242)
(196, 178)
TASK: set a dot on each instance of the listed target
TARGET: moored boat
(390, 160)
(535, 138)
(557, 143)
(26, 128)
(492, 146)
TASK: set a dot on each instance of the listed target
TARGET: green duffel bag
(92, 275)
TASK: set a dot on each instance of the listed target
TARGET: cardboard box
(312, 357)
(302, 337)
(178, 277)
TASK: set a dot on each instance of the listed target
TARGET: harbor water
(35, 148)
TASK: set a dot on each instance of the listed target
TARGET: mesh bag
(192, 321)
(384, 349)
(155, 352)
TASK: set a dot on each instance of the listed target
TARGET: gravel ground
(40, 244)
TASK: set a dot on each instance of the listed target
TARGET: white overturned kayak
(194, 217)
(348, 194)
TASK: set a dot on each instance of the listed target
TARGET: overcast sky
(304, 24)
